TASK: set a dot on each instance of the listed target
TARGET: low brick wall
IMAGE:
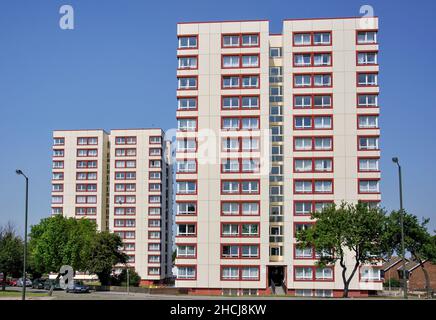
(162, 290)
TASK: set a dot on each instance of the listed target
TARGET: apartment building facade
(314, 88)
(122, 180)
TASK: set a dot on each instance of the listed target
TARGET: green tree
(348, 228)
(11, 253)
(121, 279)
(417, 240)
(104, 255)
(58, 241)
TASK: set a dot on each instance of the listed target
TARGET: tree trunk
(4, 282)
(427, 280)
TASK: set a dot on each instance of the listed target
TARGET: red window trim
(150, 238)
(365, 94)
(154, 179)
(313, 164)
(155, 155)
(240, 40)
(148, 247)
(366, 179)
(239, 272)
(125, 175)
(124, 211)
(312, 82)
(188, 97)
(187, 201)
(240, 55)
(366, 114)
(188, 117)
(183, 159)
(240, 189)
(240, 144)
(239, 245)
(313, 100)
(366, 171)
(150, 190)
(124, 222)
(312, 116)
(239, 165)
(362, 85)
(125, 138)
(86, 196)
(312, 257)
(311, 38)
(240, 208)
(312, 60)
(368, 64)
(154, 255)
(187, 222)
(155, 195)
(374, 281)
(87, 141)
(87, 152)
(188, 56)
(84, 183)
(240, 76)
(187, 244)
(190, 76)
(125, 151)
(187, 180)
(239, 235)
(313, 143)
(124, 187)
(58, 161)
(313, 180)
(240, 96)
(125, 164)
(57, 184)
(313, 274)
(59, 144)
(188, 138)
(188, 36)
(86, 211)
(365, 30)
(150, 141)
(240, 122)
(367, 136)
(313, 203)
(187, 265)
(62, 156)
(57, 203)
(154, 274)
(124, 196)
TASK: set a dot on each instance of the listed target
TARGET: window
(187, 83)
(367, 79)
(186, 251)
(250, 144)
(230, 166)
(125, 175)
(312, 122)
(186, 187)
(57, 199)
(125, 163)
(367, 58)
(187, 62)
(230, 230)
(154, 235)
(186, 166)
(240, 61)
(186, 208)
(319, 59)
(240, 102)
(155, 151)
(366, 37)
(275, 52)
(323, 273)
(153, 187)
(240, 123)
(58, 165)
(250, 165)
(303, 293)
(187, 124)
(303, 253)
(56, 187)
(303, 273)
(369, 164)
(82, 187)
(230, 273)
(58, 176)
(240, 40)
(58, 141)
(230, 144)
(312, 80)
(367, 100)
(313, 143)
(368, 143)
(303, 186)
(186, 230)
(250, 251)
(370, 274)
(307, 207)
(240, 229)
(240, 81)
(155, 271)
(313, 186)
(89, 211)
(186, 103)
(87, 141)
(188, 42)
(154, 211)
(369, 186)
(313, 165)
(240, 187)
(312, 38)
(186, 272)
(186, 145)
(153, 259)
(323, 186)
(249, 208)
(122, 211)
(249, 273)
(86, 152)
(312, 101)
(155, 164)
(58, 152)
(154, 247)
(86, 199)
(125, 140)
(367, 121)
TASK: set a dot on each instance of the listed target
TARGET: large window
(367, 79)
(240, 40)
(186, 145)
(186, 187)
(186, 103)
(369, 186)
(186, 208)
(188, 42)
(318, 59)
(240, 229)
(313, 143)
(240, 123)
(312, 80)
(186, 251)
(186, 272)
(240, 61)
(240, 187)
(367, 100)
(187, 62)
(240, 81)
(369, 164)
(367, 57)
(313, 101)
(368, 143)
(186, 230)
(313, 164)
(367, 121)
(313, 122)
(366, 37)
(312, 38)
(187, 124)
(239, 102)
(187, 83)
(186, 166)
(316, 186)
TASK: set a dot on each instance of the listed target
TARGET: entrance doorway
(276, 274)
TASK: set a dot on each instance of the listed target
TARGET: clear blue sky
(117, 70)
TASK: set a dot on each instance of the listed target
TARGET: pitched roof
(411, 265)
(391, 262)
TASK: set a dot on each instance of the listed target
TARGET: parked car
(49, 283)
(78, 287)
(38, 283)
(13, 282)
(27, 282)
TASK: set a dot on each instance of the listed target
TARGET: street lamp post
(403, 251)
(19, 172)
